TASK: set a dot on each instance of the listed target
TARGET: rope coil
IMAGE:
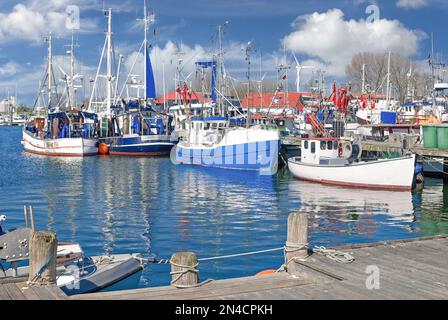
(335, 255)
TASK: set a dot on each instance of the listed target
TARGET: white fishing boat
(329, 161)
(61, 134)
(53, 132)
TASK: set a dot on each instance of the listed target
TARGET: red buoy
(103, 149)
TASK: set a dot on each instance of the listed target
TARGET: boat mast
(71, 83)
(363, 88)
(50, 70)
(248, 51)
(109, 62)
(388, 89)
(220, 78)
(145, 51)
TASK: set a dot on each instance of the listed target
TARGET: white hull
(68, 147)
(393, 174)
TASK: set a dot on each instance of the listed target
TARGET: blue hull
(261, 156)
(142, 146)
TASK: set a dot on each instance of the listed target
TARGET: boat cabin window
(305, 144)
(323, 145)
(335, 145)
(329, 145)
(313, 147)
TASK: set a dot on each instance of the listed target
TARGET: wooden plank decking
(409, 269)
(20, 291)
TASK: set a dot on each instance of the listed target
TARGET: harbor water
(150, 206)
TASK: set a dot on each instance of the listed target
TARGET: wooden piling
(184, 271)
(297, 240)
(43, 252)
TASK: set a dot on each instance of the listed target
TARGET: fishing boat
(212, 143)
(76, 273)
(53, 132)
(331, 161)
(142, 130)
(131, 125)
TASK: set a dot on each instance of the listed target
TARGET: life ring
(265, 273)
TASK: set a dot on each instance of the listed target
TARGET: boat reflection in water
(360, 213)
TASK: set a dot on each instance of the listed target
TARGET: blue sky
(322, 33)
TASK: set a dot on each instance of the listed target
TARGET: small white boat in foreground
(76, 272)
(327, 161)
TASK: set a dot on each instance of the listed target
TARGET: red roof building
(279, 100)
(171, 98)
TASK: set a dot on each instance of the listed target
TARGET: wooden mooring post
(184, 272)
(297, 240)
(43, 252)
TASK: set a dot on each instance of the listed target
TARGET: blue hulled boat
(142, 130)
(142, 133)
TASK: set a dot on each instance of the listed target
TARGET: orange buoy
(265, 272)
(103, 149)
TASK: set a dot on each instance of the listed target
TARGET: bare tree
(375, 73)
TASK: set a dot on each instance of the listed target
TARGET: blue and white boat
(212, 143)
(143, 131)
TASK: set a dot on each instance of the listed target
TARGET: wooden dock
(408, 269)
(21, 291)
(404, 269)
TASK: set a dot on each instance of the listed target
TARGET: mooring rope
(241, 254)
(332, 254)
(289, 248)
(185, 270)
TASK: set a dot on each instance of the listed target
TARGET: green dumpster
(430, 137)
(442, 137)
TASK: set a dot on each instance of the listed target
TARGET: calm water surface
(149, 206)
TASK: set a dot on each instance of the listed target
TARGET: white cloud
(330, 39)
(412, 4)
(166, 57)
(9, 69)
(32, 20)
